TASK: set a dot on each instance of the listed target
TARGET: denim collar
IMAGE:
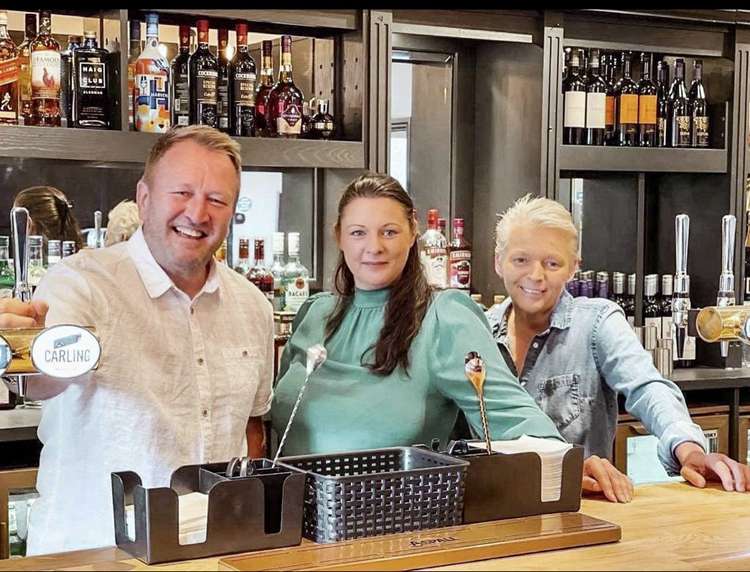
(561, 317)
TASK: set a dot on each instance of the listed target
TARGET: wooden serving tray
(437, 547)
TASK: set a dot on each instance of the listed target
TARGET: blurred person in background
(122, 222)
(51, 214)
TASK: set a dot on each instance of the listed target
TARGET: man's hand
(17, 314)
(601, 476)
(699, 467)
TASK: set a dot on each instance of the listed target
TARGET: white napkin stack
(193, 518)
(551, 453)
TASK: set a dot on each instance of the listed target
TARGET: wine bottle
(679, 108)
(647, 105)
(574, 93)
(596, 103)
(698, 108)
(626, 94)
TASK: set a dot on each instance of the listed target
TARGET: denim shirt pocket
(559, 397)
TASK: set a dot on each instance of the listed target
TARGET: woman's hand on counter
(601, 476)
(17, 314)
(699, 467)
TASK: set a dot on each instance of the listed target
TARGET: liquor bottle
(277, 271)
(322, 122)
(630, 301)
(222, 82)
(180, 97)
(698, 108)
(662, 104)
(618, 289)
(459, 258)
(602, 285)
(259, 274)
(295, 277)
(36, 260)
(574, 114)
(68, 248)
(433, 252)
(306, 119)
(263, 90)
(626, 94)
(647, 105)
(666, 307)
(45, 75)
(242, 75)
(54, 252)
(284, 108)
(24, 71)
(596, 103)
(609, 110)
(651, 305)
(442, 226)
(679, 108)
(91, 89)
(151, 92)
(133, 53)
(204, 74)
(66, 80)
(9, 69)
(7, 275)
(243, 258)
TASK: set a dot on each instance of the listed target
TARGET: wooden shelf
(639, 159)
(132, 147)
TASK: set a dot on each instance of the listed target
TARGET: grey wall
(507, 143)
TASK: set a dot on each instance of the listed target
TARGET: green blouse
(345, 407)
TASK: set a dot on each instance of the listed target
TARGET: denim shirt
(575, 369)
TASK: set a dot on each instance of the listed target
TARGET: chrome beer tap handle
(725, 295)
(681, 295)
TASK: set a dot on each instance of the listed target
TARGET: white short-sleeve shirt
(178, 380)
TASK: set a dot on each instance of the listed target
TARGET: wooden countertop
(666, 527)
(19, 424)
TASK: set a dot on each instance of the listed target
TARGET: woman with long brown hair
(51, 214)
(395, 368)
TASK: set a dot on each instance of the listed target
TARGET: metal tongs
(476, 373)
(316, 356)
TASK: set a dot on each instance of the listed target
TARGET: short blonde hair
(203, 135)
(534, 211)
(123, 221)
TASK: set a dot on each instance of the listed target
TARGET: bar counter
(667, 527)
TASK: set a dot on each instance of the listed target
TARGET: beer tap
(20, 228)
(98, 229)
(316, 356)
(681, 295)
(725, 295)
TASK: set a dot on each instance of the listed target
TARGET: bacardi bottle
(460, 258)
(242, 87)
(204, 75)
(45, 75)
(284, 112)
(296, 286)
(151, 95)
(265, 85)
(9, 68)
(433, 252)
(180, 80)
(259, 274)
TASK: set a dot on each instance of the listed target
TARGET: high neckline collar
(371, 298)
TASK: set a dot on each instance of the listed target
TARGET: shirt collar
(560, 319)
(153, 276)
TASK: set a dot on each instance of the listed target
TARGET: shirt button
(192, 310)
(200, 361)
(536, 344)
(244, 353)
(205, 413)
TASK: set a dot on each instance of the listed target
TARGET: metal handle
(98, 228)
(728, 226)
(20, 226)
(682, 235)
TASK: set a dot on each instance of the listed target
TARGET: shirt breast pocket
(559, 397)
(244, 366)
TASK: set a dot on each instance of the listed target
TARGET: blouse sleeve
(461, 327)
